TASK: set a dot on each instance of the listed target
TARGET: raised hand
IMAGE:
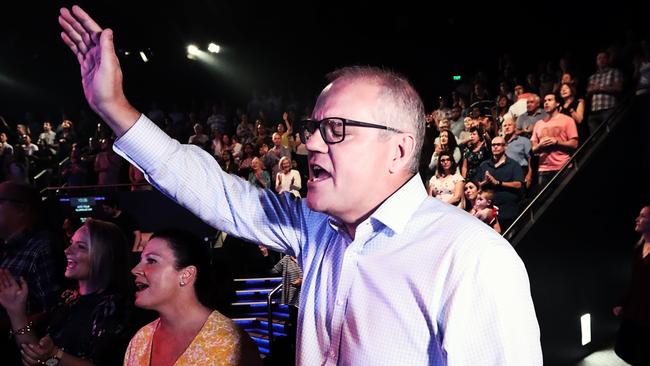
(101, 75)
(13, 295)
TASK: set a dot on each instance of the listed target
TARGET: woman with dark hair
(445, 142)
(471, 192)
(447, 184)
(572, 106)
(88, 326)
(227, 162)
(248, 153)
(475, 153)
(173, 278)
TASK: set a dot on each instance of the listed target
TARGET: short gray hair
(399, 105)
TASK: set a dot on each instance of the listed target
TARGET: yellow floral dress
(218, 343)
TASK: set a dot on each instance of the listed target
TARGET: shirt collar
(397, 210)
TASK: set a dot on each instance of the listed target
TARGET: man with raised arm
(390, 276)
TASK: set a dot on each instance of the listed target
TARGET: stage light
(214, 48)
(144, 57)
(193, 50)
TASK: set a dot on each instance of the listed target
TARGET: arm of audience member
(13, 297)
(137, 238)
(101, 75)
(194, 179)
(434, 159)
(529, 175)
(35, 353)
(570, 144)
(296, 181)
(489, 178)
(463, 169)
(579, 113)
(458, 193)
(497, 226)
(285, 119)
(496, 278)
(278, 182)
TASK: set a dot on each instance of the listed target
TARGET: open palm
(93, 46)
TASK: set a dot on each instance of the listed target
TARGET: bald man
(506, 178)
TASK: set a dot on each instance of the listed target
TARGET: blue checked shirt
(422, 282)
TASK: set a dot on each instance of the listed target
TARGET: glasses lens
(306, 129)
(333, 130)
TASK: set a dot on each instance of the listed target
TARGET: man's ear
(403, 149)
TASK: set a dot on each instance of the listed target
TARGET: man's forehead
(354, 99)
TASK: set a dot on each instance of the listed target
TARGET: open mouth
(139, 286)
(318, 173)
(71, 264)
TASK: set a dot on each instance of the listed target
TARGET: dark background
(289, 46)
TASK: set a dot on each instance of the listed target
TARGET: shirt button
(339, 302)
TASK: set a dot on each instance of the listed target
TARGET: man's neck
(498, 160)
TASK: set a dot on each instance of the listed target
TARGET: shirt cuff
(144, 145)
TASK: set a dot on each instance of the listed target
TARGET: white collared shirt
(422, 283)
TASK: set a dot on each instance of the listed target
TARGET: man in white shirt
(390, 275)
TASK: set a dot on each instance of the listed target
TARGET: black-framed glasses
(498, 144)
(332, 129)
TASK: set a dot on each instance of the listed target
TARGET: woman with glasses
(447, 184)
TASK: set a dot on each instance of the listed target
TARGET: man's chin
(315, 202)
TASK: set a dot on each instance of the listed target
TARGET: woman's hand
(13, 295)
(37, 354)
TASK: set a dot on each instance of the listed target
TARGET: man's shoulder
(455, 233)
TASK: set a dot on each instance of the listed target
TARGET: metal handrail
(269, 310)
(548, 194)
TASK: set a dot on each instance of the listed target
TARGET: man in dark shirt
(26, 249)
(506, 178)
(124, 221)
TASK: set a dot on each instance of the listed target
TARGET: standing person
(173, 278)
(634, 309)
(291, 282)
(366, 209)
(554, 139)
(505, 177)
(603, 88)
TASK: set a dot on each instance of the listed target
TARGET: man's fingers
(73, 35)
(106, 44)
(82, 32)
(85, 19)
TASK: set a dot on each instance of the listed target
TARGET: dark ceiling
(289, 46)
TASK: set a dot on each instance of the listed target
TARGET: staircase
(250, 311)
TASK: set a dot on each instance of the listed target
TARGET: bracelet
(21, 331)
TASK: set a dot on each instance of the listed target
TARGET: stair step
(254, 291)
(275, 321)
(259, 279)
(265, 314)
(251, 303)
(265, 332)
